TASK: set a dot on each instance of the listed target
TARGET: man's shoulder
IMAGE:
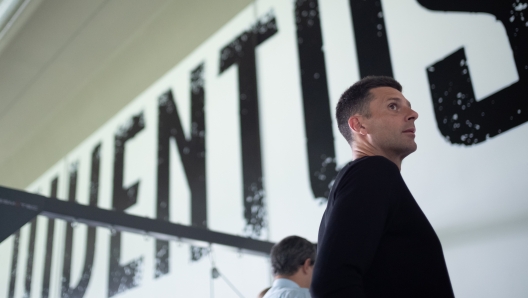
(368, 166)
(287, 293)
(371, 176)
(285, 288)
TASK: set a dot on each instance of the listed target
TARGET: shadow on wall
(462, 234)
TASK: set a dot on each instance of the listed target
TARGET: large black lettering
(123, 277)
(460, 117)
(80, 289)
(372, 46)
(241, 51)
(373, 59)
(316, 101)
(14, 265)
(49, 245)
(30, 255)
(192, 156)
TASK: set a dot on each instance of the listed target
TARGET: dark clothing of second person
(375, 241)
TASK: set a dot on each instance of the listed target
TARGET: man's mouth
(410, 130)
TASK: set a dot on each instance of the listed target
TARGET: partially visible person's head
(263, 292)
(375, 113)
(294, 257)
(356, 100)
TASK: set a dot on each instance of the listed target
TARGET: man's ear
(355, 125)
(306, 266)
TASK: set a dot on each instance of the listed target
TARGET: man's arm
(354, 228)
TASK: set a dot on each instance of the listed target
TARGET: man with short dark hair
(374, 240)
(292, 261)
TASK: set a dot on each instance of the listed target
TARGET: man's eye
(392, 106)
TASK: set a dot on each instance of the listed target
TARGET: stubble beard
(399, 147)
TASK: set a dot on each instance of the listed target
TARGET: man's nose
(413, 115)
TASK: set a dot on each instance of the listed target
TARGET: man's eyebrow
(399, 99)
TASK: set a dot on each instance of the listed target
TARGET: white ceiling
(67, 66)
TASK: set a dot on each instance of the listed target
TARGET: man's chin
(407, 150)
(414, 147)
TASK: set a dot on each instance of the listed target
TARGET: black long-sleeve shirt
(375, 241)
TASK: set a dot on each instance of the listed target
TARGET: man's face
(391, 125)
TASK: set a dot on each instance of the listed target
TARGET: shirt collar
(285, 283)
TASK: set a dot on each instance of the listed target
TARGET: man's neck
(359, 151)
